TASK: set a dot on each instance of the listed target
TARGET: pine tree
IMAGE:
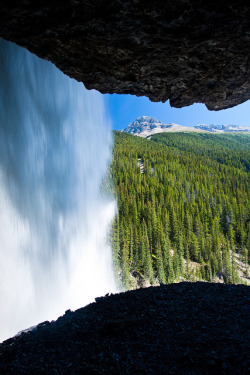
(194, 248)
(115, 242)
(148, 268)
(167, 260)
(125, 265)
(159, 264)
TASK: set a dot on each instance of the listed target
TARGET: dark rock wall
(184, 50)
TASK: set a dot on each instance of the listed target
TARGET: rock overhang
(187, 51)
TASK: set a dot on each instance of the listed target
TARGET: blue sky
(124, 109)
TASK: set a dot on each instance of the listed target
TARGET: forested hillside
(183, 208)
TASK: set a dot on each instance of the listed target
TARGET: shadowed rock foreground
(184, 50)
(186, 328)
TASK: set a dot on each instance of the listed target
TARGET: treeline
(183, 207)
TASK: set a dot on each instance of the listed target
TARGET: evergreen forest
(183, 208)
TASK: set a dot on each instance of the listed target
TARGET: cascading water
(55, 147)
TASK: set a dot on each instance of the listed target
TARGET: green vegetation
(183, 207)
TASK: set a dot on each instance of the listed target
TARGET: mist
(55, 148)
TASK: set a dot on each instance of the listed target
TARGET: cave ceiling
(186, 51)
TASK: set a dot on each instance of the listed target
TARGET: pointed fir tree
(167, 260)
(159, 265)
(125, 265)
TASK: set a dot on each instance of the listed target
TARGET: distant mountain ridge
(222, 128)
(145, 126)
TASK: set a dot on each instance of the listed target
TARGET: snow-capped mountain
(222, 128)
(145, 126)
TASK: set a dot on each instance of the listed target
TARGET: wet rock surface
(186, 328)
(185, 50)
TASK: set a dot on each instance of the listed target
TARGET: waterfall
(55, 147)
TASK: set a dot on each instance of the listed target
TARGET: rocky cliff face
(185, 50)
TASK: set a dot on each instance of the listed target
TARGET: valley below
(183, 206)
